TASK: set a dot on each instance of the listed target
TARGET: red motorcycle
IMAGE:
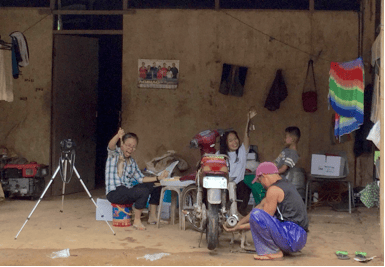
(211, 201)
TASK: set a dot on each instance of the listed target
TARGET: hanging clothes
(376, 100)
(277, 93)
(22, 51)
(346, 94)
(370, 195)
(342, 139)
(233, 80)
(15, 66)
(6, 81)
(361, 144)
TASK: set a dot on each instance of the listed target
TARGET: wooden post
(217, 4)
(382, 129)
(125, 4)
(311, 5)
(52, 4)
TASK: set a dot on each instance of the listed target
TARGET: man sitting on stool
(287, 230)
(132, 186)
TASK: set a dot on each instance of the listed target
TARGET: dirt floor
(91, 242)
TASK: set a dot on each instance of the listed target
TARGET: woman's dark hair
(130, 135)
(223, 147)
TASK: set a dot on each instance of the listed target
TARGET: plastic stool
(176, 188)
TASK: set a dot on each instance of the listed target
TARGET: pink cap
(265, 168)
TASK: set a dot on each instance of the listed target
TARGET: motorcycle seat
(215, 173)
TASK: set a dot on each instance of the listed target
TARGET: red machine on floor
(23, 180)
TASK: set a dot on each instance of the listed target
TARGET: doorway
(86, 103)
(109, 99)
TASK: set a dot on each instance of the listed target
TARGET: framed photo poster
(155, 73)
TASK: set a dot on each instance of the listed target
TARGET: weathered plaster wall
(203, 40)
(25, 122)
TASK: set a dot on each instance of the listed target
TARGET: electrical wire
(35, 23)
(330, 193)
(272, 38)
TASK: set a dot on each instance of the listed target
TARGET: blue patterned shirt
(131, 173)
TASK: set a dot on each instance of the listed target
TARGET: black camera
(67, 145)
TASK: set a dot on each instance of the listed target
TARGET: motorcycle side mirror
(194, 143)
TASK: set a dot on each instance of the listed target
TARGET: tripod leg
(62, 201)
(41, 197)
(85, 188)
(63, 188)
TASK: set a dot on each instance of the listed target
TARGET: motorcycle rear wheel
(212, 230)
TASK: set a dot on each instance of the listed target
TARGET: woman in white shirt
(230, 145)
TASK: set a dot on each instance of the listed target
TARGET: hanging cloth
(6, 81)
(21, 48)
(233, 80)
(15, 65)
(277, 93)
(361, 145)
(346, 94)
(376, 61)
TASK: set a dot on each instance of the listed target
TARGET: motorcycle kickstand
(200, 240)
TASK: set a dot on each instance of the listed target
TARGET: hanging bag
(309, 98)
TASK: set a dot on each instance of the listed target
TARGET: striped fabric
(346, 95)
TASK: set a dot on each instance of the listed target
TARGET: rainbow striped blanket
(346, 95)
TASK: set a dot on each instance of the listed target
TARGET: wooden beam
(104, 32)
(52, 4)
(93, 12)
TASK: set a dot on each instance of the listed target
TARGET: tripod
(66, 160)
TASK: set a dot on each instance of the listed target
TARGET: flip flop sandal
(139, 227)
(361, 256)
(155, 222)
(342, 255)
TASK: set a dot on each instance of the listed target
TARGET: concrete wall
(203, 40)
(26, 122)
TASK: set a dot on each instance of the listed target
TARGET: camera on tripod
(67, 145)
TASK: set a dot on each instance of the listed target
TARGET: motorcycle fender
(214, 196)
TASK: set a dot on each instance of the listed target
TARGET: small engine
(23, 180)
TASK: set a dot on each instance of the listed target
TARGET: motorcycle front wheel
(212, 230)
(189, 198)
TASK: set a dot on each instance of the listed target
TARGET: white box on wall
(327, 165)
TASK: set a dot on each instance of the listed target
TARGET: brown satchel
(309, 98)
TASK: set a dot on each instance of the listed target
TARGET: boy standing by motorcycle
(289, 155)
(279, 223)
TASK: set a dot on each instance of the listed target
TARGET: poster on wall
(156, 73)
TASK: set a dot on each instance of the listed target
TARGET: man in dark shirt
(154, 70)
(279, 223)
(174, 71)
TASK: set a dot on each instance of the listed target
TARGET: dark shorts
(138, 194)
